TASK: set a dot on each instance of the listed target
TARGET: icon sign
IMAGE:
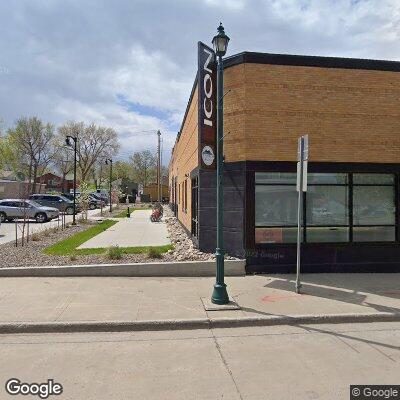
(207, 154)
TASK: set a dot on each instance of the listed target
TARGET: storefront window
(333, 234)
(276, 235)
(373, 205)
(327, 212)
(327, 205)
(374, 234)
(276, 177)
(371, 179)
(328, 179)
(275, 208)
(374, 209)
(276, 205)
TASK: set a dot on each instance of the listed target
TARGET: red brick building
(55, 183)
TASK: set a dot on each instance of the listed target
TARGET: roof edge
(311, 61)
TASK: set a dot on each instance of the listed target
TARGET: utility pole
(159, 165)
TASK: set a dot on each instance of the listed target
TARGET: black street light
(110, 161)
(220, 294)
(68, 140)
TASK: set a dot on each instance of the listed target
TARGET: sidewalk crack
(218, 347)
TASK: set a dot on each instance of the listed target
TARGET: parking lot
(8, 229)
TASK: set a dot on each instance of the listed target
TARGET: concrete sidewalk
(129, 301)
(136, 231)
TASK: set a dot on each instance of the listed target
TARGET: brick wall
(350, 115)
(185, 158)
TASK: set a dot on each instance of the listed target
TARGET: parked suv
(57, 201)
(93, 201)
(101, 194)
(11, 209)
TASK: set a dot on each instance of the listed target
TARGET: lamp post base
(220, 294)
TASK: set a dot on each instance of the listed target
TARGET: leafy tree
(144, 167)
(122, 170)
(31, 144)
(84, 199)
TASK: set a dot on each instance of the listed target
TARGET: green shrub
(114, 253)
(35, 237)
(153, 253)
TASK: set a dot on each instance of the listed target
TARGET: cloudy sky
(130, 64)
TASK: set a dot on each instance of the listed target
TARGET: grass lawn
(69, 246)
(122, 214)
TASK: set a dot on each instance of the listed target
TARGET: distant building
(150, 192)
(53, 182)
(9, 175)
(17, 189)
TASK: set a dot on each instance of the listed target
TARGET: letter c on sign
(12, 386)
(207, 77)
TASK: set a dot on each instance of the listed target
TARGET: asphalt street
(280, 362)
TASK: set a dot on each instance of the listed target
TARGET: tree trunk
(63, 182)
(35, 168)
(30, 177)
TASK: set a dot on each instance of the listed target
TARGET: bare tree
(144, 165)
(94, 143)
(32, 144)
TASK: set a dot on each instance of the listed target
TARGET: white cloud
(71, 60)
(227, 4)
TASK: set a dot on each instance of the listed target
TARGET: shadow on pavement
(345, 288)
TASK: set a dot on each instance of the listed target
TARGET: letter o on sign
(208, 112)
(207, 77)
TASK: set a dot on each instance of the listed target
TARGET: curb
(172, 269)
(191, 324)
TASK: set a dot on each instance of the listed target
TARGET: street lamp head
(69, 139)
(220, 41)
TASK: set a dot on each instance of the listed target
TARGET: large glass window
(333, 201)
(327, 208)
(327, 205)
(374, 210)
(275, 207)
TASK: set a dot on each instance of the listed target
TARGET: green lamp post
(220, 294)
(68, 140)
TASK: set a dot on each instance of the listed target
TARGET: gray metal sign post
(302, 157)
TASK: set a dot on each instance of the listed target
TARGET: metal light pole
(220, 294)
(110, 161)
(159, 167)
(68, 142)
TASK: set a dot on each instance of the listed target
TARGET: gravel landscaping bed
(184, 249)
(31, 254)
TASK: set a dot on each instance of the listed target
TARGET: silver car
(11, 209)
